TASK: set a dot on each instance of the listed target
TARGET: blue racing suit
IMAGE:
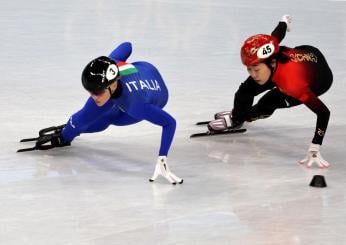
(142, 97)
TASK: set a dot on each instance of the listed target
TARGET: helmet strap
(110, 91)
(269, 62)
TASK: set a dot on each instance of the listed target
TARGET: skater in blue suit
(121, 94)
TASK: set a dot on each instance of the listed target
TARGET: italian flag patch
(126, 68)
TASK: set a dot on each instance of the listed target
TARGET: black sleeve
(244, 98)
(280, 31)
(323, 114)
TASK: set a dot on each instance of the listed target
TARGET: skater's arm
(280, 31)
(122, 52)
(80, 121)
(244, 98)
(322, 112)
(156, 115)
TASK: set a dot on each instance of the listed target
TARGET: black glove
(52, 130)
(50, 138)
(50, 141)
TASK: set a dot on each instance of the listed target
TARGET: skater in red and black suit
(293, 76)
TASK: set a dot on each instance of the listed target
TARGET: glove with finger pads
(162, 169)
(288, 20)
(314, 156)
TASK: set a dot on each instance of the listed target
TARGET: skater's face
(103, 96)
(260, 73)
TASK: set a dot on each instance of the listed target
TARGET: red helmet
(258, 48)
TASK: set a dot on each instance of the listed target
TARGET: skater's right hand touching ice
(314, 156)
(162, 169)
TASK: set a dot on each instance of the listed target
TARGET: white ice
(241, 189)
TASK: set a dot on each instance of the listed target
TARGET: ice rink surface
(239, 189)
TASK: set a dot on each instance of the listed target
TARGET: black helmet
(99, 74)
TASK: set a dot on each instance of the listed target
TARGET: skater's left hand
(162, 169)
(314, 156)
(47, 142)
(288, 20)
(48, 138)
